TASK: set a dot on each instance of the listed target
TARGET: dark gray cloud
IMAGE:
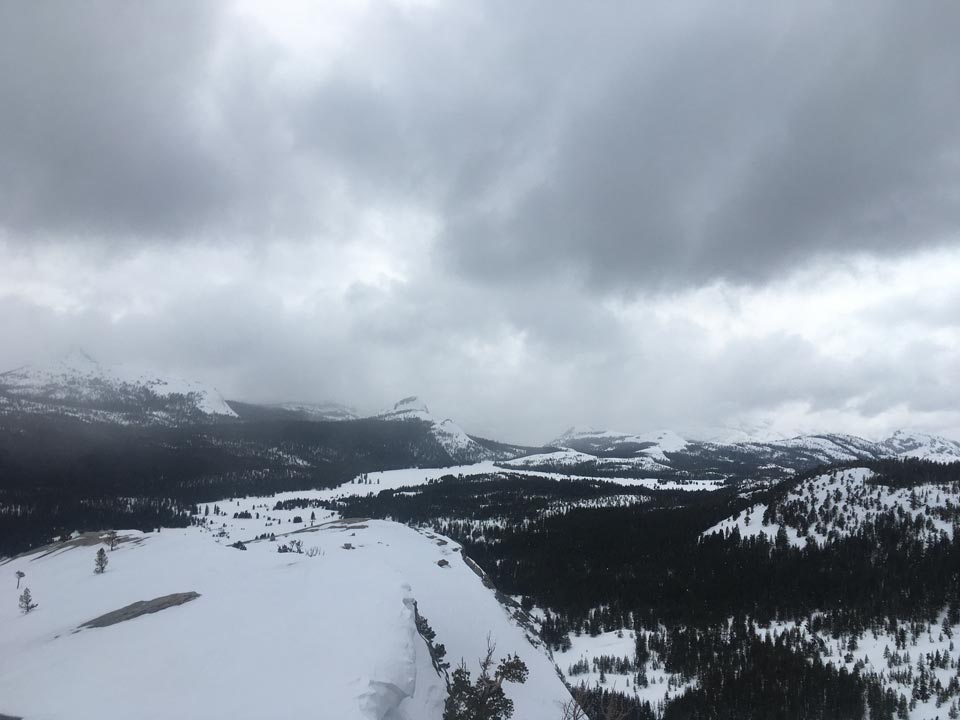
(517, 366)
(498, 201)
(102, 132)
(743, 146)
(634, 148)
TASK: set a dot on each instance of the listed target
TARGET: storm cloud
(534, 214)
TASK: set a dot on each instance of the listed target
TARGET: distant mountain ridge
(665, 452)
(78, 385)
(307, 411)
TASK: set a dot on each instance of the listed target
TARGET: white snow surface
(620, 644)
(564, 457)
(272, 636)
(392, 479)
(78, 377)
(572, 458)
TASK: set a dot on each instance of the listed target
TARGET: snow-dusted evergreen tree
(100, 563)
(26, 601)
(485, 698)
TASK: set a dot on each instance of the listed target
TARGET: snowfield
(392, 479)
(272, 635)
(877, 652)
(620, 644)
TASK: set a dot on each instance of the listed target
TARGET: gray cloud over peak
(529, 213)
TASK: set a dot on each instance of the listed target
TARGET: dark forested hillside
(59, 473)
(648, 566)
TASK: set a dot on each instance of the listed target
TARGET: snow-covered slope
(905, 443)
(561, 458)
(611, 443)
(412, 477)
(830, 448)
(741, 432)
(328, 633)
(318, 411)
(460, 446)
(567, 460)
(837, 504)
(76, 384)
(764, 458)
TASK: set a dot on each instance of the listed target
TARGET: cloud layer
(533, 214)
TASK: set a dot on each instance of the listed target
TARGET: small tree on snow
(20, 576)
(484, 699)
(100, 564)
(26, 601)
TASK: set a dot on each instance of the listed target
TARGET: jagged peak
(579, 430)
(411, 403)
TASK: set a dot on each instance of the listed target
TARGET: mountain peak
(613, 443)
(411, 403)
(578, 430)
(913, 443)
(81, 386)
(78, 358)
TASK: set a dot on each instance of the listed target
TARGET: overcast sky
(531, 214)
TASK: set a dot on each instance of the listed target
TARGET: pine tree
(20, 576)
(484, 699)
(782, 540)
(26, 601)
(100, 564)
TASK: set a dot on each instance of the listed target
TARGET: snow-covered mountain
(574, 462)
(77, 386)
(80, 386)
(323, 411)
(330, 633)
(666, 452)
(838, 503)
(610, 443)
(461, 447)
(922, 445)
(738, 432)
